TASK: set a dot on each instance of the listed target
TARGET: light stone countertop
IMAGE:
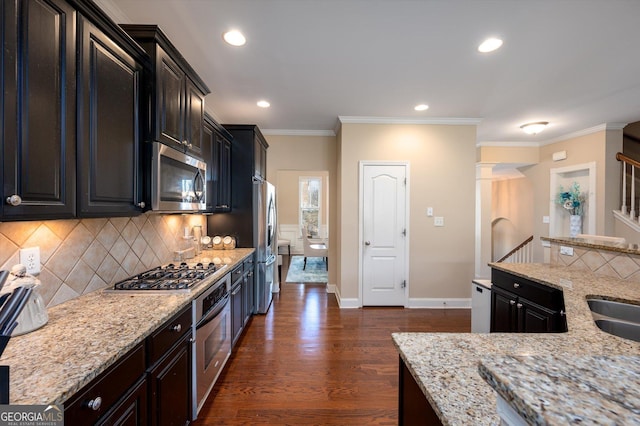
(446, 365)
(594, 243)
(86, 335)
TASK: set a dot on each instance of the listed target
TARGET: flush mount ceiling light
(263, 104)
(534, 128)
(234, 38)
(489, 45)
(421, 107)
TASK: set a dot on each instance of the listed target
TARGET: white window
(310, 204)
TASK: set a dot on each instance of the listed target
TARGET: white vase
(575, 225)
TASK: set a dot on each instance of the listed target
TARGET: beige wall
(599, 147)
(442, 176)
(511, 213)
(304, 154)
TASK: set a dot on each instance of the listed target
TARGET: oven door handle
(213, 313)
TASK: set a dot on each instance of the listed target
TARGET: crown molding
(584, 132)
(508, 144)
(410, 120)
(296, 132)
(113, 11)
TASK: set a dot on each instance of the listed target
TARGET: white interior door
(384, 199)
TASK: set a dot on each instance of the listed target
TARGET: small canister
(217, 243)
(229, 243)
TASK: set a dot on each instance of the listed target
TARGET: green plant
(572, 200)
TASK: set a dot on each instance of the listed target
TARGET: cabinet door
(237, 315)
(39, 117)
(207, 155)
(170, 387)
(222, 173)
(260, 159)
(109, 139)
(533, 318)
(503, 311)
(131, 411)
(194, 118)
(170, 94)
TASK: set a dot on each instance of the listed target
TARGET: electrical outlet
(438, 221)
(567, 251)
(30, 257)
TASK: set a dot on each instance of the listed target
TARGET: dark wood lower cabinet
(237, 317)
(413, 406)
(132, 410)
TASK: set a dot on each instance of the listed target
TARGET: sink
(617, 318)
(616, 310)
(626, 330)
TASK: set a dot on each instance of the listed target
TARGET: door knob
(367, 243)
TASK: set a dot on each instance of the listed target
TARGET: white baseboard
(331, 288)
(433, 303)
(343, 303)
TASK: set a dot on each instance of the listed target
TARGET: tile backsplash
(79, 256)
(623, 266)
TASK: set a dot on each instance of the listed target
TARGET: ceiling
(574, 63)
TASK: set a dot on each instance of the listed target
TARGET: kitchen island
(453, 369)
(86, 335)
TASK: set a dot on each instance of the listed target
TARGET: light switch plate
(429, 211)
(545, 219)
(30, 257)
(438, 221)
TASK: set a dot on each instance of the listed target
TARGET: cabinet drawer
(85, 407)
(236, 274)
(166, 336)
(548, 297)
(248, 264)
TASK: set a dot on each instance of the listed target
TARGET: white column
(484, 176)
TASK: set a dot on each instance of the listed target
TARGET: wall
(442, 176)
(512, 214)
(600, 147)
(80, 256)
(303, 153)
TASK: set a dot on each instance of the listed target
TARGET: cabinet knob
(185, 143)
(516, 285)
(177, 328)
(512, 302)
(519, 305)
(95, 403)
(190, 145)
(141, 204)
(14, 200)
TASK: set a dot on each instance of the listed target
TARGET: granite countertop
(446, 365)
(86, 335)
(596, 243)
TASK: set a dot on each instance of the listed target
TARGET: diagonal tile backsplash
(79, 256)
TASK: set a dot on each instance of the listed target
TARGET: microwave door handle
(198, 178)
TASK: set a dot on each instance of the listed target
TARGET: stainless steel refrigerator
(266, 245)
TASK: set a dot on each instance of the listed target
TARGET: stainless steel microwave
(178, 181)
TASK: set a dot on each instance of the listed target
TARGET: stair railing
(520, 254)
(628, 163)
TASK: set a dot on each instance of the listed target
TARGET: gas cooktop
(171, 277)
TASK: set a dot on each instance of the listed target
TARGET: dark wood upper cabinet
(177, 93)
(108, 127)
(71, 111)
(218, 156)
(250, 148)
(39, 113)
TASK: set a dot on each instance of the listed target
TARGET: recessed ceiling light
(421, 107)
(534, 128)
(263, 104)
(489, 45)
(234, 38)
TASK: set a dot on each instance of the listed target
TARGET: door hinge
(404, 232)
(405, 181)
(404, 284)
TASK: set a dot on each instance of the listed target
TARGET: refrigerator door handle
(270, 260)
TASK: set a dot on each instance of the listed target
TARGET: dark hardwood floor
(307, 362)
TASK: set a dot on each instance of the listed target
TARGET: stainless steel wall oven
(212, 329)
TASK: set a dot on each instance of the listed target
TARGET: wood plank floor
(307, 362)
